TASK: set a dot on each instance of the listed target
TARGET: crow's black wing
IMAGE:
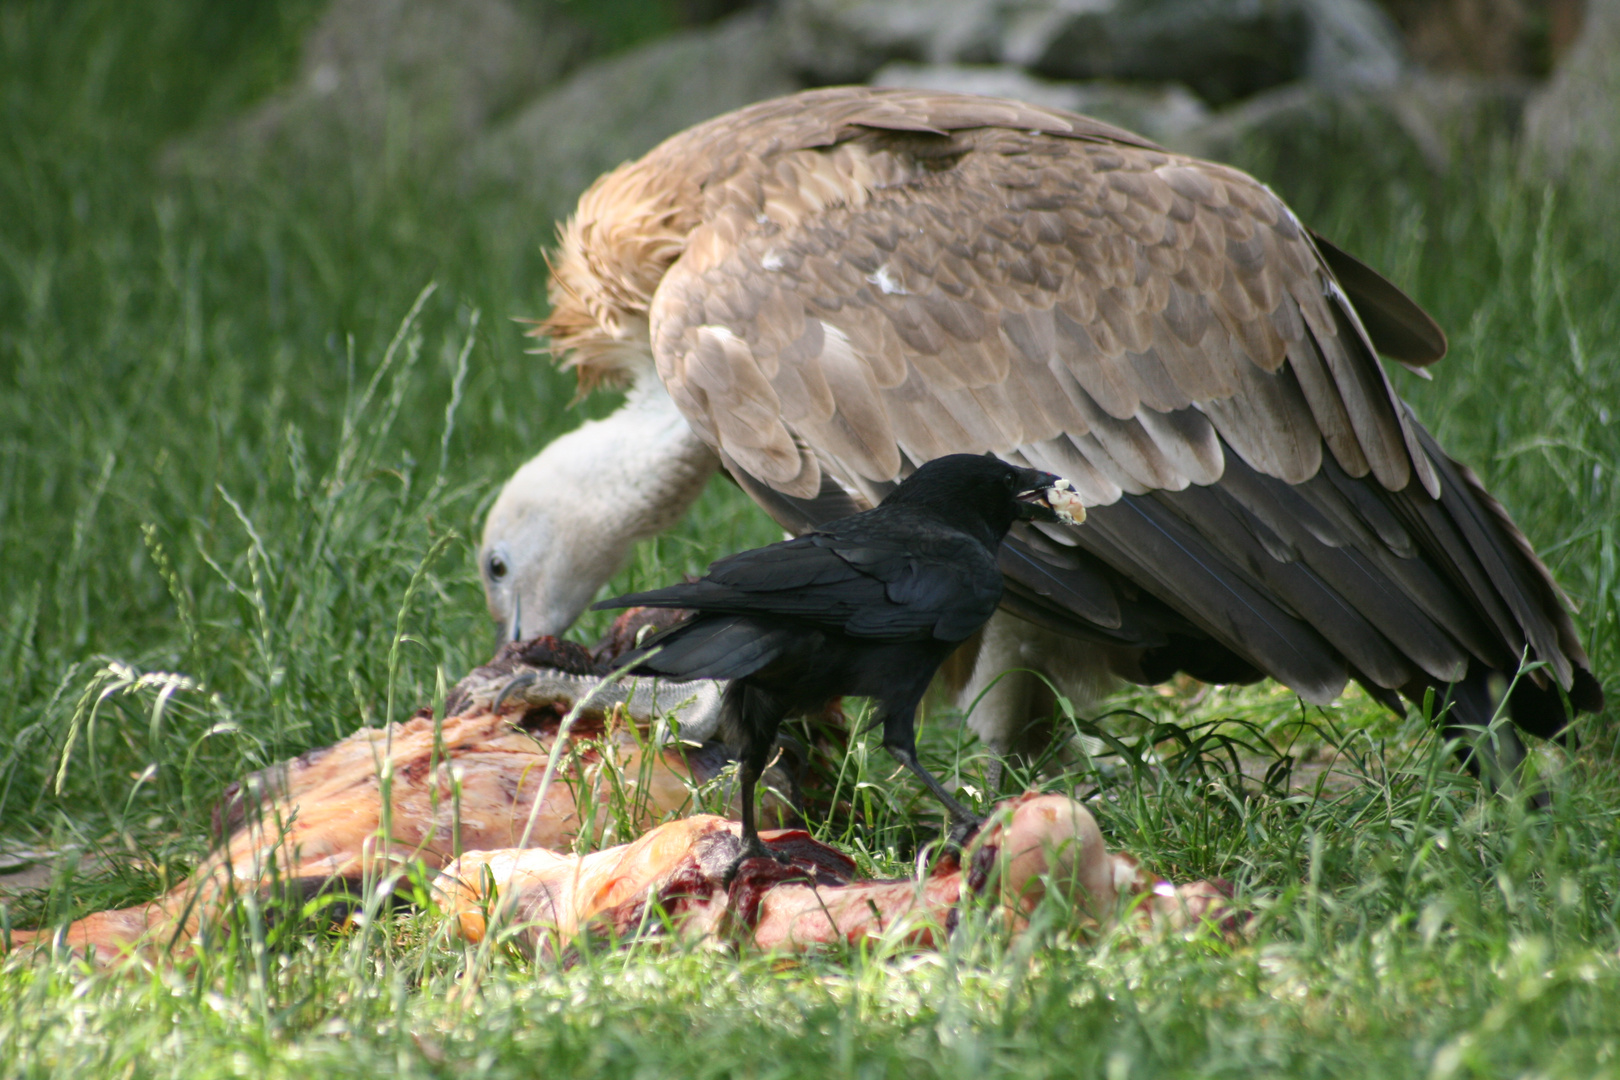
(943, 585)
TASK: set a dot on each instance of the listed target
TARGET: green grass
(240, 442)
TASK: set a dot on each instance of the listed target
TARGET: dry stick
(500, 909)
(372, 876)
(457, 381)
(346, 440)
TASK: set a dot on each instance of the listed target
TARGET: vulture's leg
(1493, 752)
(1017, 674)
(993, 771)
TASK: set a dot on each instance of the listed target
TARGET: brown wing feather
(935, 290)
(881, 279)
(1401, 330)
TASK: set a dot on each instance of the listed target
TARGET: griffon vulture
(822, 291)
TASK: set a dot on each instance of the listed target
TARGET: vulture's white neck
(642, 466)
(566, 521)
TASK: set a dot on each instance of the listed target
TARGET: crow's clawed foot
(948, 849)
(752, 849)
(960, 833)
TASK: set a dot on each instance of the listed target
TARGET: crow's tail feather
(713, 647)
(688, 594)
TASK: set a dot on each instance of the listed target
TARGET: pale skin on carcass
(324, 827)
(469, 782)
(1029, 846)
(470, 785)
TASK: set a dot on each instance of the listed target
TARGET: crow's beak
(1054, 499)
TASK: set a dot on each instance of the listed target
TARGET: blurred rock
(619, 108)
(1223, 49)
(1424, 120)
(1514, 38)
(992, 80)
(846, 41)
(1572, 126)
(1352, 45)
(502, 99)
(1167, 113)
(406, 82)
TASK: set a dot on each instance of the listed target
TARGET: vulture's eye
(496, 566)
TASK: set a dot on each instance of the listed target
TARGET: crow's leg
(963, 820)
(748, 771)
(900, 740)
(750, 717)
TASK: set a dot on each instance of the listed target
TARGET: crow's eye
(1010, 481)
(496, 566)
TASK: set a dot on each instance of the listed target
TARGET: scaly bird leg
(749, 769)
(993, 773)
(963, 821)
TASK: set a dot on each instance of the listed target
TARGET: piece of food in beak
(1065, 502)
(1059, 500)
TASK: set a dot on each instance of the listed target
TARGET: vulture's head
(566, 521)
(537, 578)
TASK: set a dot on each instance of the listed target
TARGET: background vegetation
(236, 424)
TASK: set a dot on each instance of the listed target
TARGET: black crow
(867, 605)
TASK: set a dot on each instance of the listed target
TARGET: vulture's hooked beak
(514, 631)
(1053, 500)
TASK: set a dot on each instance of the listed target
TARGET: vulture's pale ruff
(836, 286)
